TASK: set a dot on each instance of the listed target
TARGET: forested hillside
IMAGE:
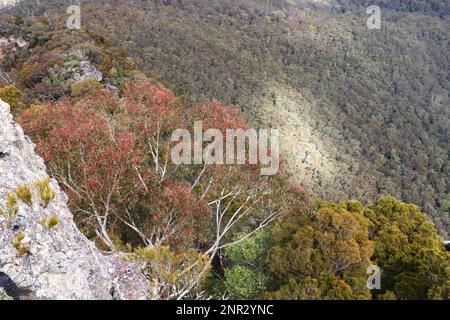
(363, 114)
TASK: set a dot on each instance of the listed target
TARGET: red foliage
(112, 157)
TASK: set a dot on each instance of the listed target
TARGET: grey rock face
(62, 263)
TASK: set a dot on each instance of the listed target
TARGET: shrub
(52, 221)
(172, 274)
(327, 251)
(11, 209)
(49, 222)
(85, 87)
(24, 195)
(404, 236)
(4, 295)
(243, 283)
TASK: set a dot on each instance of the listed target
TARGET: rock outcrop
(8, 3)
(59, 262)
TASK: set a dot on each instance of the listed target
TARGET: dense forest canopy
(363, 114)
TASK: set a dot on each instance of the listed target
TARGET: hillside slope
(39, 260)
(363, 112)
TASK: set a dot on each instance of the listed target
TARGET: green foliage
(24, 194)
(276, 64)
(314, 256)
(49, 222)
(243, 283)
(11, 209)
(171, 273)
(388, 295)
(252, 251)
(84, 88)
(11, 202)
(318, 63)
(57, 76)
(327, 251)
(12, 96)
(324, 287)
(244, 274)
(266, 56)
(52, 221)
(408, 250)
